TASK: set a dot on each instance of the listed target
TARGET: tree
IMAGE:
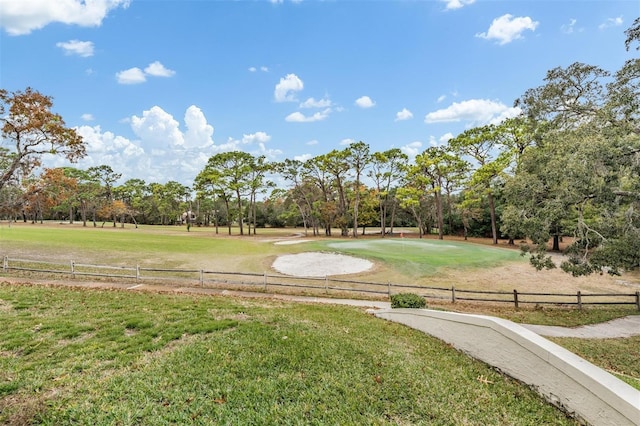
(86, 193)
(633, 34)
(33, 131)
(413, 195)
(303, 192)
(387, 169)
(227, 174)
(317, 176)
(336, 165)
(357, 154)
(480, 144)
(107, 177)
(441, 169)
(582, 178)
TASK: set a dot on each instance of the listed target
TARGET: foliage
(33, 131)
(408, 300)
(582, 178)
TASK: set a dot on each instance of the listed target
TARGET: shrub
(408, 300)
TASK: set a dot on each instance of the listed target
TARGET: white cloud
(405, 114)
(158, 129)
(76, 47)
(286, 89)
(313, 103)
(611, 22)
(298, 117)
(347, 141)
(441, 98)
(20, 17)
(87, 117)
(445, 138)
(258, 137)
(507, 113)
(269, 153)
(476, 111)
(156, 69)
(264, 69)
(253, 69)
(365, 102)
(199, 133)
(412, 149)
(507, 28)
(257, 140)
(570, 27)
(131, 76)
(303, 157)
(313, 142)
(136, 75)
(162, 151)
(106, 148)
(457, 4)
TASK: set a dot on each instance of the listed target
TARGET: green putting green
(426, 255)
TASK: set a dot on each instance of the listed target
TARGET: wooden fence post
(5, 263)
(453, 294)
(137, 273)
(515, 297)
(326, 284)
(202, 278)
(579, 300)
(389, 288)
(638, 300)
(265, 280)
(73, 269)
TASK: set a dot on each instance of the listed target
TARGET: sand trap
(289, 242)
(315, 264)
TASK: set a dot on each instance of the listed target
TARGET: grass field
(100, 357)
(37, 378)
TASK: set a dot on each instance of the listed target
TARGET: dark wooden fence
(314, 285)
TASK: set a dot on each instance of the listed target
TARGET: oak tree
(29, 131)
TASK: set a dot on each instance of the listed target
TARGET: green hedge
(408, 300)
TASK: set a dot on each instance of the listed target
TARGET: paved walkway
(618, 328)
(621, 327)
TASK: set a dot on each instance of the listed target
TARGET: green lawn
(424, 256)
(115, 357)
(175, 247)
(406, 259)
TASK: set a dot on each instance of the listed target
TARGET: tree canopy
(30, 130)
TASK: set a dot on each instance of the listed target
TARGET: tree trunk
(439, 214)
(492, 211)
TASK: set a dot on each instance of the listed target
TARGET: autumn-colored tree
(31, 130)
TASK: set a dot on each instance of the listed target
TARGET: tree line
(567, 166)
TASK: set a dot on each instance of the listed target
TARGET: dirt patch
(315, 264)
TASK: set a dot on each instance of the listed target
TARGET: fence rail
(323, 285)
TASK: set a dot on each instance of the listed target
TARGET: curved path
(621, 327)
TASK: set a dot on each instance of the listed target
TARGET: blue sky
(156, 87)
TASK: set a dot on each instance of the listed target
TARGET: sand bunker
(314, 264)
(289, 242)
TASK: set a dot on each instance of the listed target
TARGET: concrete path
(618, 328)
(621, 327)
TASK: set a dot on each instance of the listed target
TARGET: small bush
(408, 300)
